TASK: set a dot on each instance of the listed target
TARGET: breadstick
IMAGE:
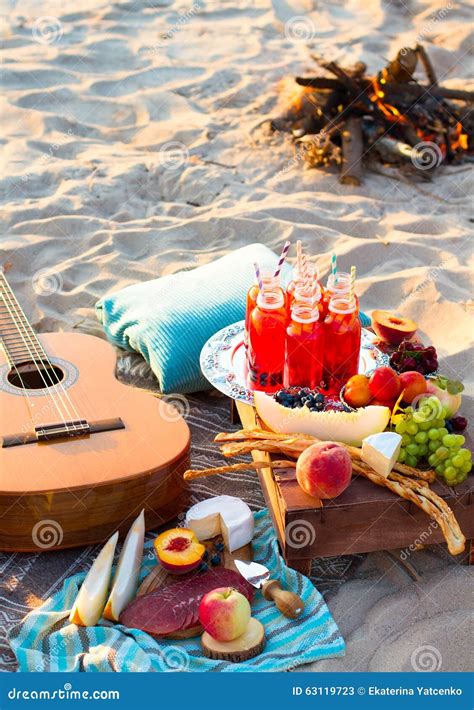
(417, 493)
(191, 473)
(300, 439)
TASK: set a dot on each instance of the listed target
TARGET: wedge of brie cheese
(380, 451)
(222, 515)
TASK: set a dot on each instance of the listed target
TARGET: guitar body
(78, 490)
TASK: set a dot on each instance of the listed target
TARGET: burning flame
(292, 94)
(389, 111)
(461, 140)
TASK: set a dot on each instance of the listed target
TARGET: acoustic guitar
(81, 453)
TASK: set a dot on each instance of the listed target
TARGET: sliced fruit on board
(178, 550)
(345, 427)
(224, 515)
(250, 644)
(392, 328)
(90, 602)
(174, 609)
(125, 580)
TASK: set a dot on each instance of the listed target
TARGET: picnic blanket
(46, 641)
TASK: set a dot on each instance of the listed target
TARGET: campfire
(349, 119)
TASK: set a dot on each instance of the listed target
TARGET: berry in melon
(346, 427)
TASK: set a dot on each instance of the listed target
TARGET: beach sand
(133, 148)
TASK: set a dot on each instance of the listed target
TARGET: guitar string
(43, 355)
(36, 351)
(28, 400)
(31, 354)
(6, 295)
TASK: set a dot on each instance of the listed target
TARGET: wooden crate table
(364, 518)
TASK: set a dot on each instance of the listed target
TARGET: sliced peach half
(392, 328)
(178, 550)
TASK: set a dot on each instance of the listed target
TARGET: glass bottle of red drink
(339, 286)
(304, 346)
(342, 335)
(270, 282)
(302, 278)
(309, 292)
(266, 341)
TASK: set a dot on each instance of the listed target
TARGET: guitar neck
(17, 337)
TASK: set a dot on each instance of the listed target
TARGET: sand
(131, 151)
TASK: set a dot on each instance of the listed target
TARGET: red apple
(224, 613)
(391, 328)
(324, 469)
(385, 384)
(413, 384)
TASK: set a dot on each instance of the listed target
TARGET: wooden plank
(271, 494)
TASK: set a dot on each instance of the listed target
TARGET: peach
(324, 469)
(357, 392)
(178, 550)
(224, 613)
(385, 384)
(391, 328)
(413, 384)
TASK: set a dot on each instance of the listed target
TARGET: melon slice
(345, 427)
(126, 575)
(90, 602)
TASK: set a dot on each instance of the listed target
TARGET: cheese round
(223, 515)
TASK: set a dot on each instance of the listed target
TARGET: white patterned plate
(223, 360)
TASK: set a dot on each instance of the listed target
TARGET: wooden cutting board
(158, 578)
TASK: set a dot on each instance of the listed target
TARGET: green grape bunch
(425, 437)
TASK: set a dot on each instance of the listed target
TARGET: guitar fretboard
(17, 337)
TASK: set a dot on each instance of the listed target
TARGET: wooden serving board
(158, 578)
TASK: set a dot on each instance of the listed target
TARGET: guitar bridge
(62, 431)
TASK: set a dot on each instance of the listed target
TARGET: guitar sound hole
(35, 376)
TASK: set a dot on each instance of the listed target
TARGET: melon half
(345, 427)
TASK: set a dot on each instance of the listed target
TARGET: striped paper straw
(282, 258)
(334, 267)
(257, 274)
(352, 284)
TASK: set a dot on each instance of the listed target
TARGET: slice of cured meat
(174, 608)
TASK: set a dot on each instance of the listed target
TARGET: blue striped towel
(46, 641)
